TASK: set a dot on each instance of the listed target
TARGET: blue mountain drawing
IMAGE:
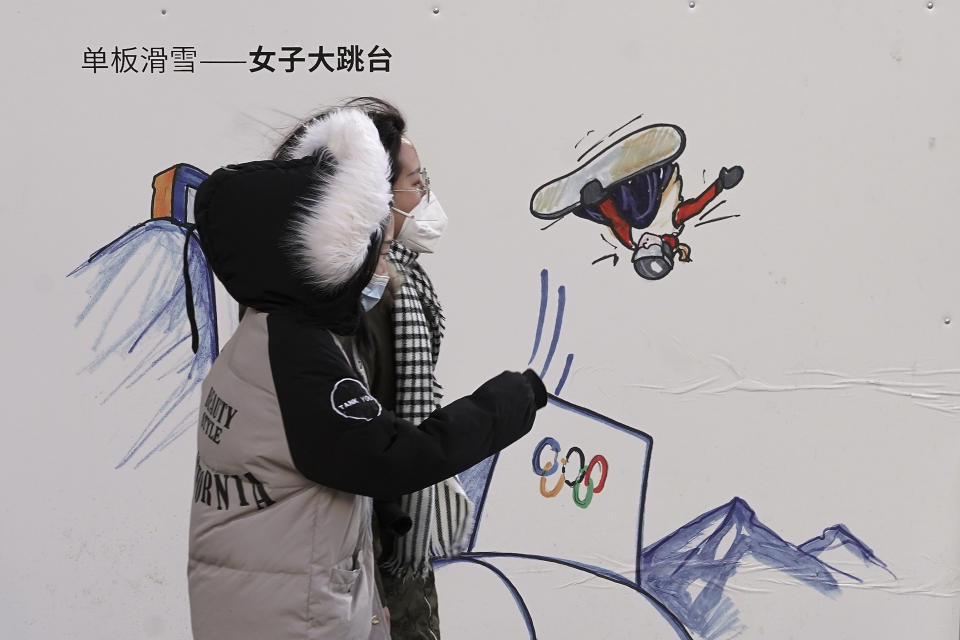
(689, 569)
(839, 548)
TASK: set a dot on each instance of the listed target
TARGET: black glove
(536, 384)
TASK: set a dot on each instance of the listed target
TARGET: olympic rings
(550, 468)
(583, 503)
(551, 492)
(581, 467)
(584, 471)
(598, 460)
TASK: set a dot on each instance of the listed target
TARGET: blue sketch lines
(557, 331)
(152, 311)
(544, 292)
(474, 479)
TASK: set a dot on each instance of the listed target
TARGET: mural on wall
(153, 313)
(579, 525)
(634, 185)
(158, 320)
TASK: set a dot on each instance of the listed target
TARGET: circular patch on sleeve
(351, 399)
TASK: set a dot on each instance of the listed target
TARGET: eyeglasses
(424, 191)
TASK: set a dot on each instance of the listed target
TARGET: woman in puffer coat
(292, 447)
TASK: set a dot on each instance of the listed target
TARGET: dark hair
(387, 118)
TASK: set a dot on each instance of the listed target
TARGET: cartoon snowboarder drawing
(635, 183)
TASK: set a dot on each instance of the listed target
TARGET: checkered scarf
(442, 515)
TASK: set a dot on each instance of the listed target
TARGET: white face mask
(423, 227)
(373, 291)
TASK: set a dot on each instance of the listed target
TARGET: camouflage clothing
(412, 601)
(413, 607)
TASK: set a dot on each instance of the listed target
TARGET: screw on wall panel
(930, 5)
(947, 321)
(436, 10)
(693, 4)
(163, 12)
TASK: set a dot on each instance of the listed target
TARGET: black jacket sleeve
(341, 437)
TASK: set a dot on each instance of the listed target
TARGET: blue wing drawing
(152, 317)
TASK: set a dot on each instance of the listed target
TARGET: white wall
(803, 362)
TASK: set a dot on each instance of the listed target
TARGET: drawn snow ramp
(518, 598)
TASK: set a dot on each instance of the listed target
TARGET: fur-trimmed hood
(302, 233)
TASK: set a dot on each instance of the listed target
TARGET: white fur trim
(333, 235)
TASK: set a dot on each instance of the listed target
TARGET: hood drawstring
(188, 289)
